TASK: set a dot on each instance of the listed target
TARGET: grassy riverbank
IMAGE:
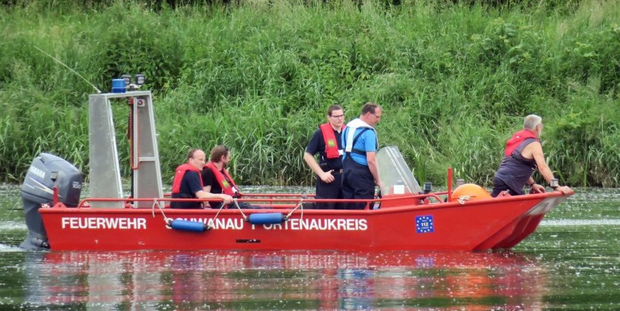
(455, 81)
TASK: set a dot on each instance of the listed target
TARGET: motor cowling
(45, 172)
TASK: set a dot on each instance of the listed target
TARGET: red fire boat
(406, 217)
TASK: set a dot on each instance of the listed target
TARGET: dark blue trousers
(357, 183)
(330, 190)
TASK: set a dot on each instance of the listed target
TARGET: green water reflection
(572, 262)
(273, 280)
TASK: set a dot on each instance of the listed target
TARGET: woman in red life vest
(326, 141)
(522, 156)
(187, 183)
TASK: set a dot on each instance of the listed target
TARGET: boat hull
(405, 225)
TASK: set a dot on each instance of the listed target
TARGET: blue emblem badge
(424, 224)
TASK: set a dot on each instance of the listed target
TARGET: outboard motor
(46, 171)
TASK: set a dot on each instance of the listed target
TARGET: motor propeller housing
(45, 172)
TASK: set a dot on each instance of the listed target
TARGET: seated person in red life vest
(216, 179)
(522, 156)
(188, 183)
(327, 142)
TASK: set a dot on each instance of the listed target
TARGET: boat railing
(271, 202)
(283, 200)
(267, 197)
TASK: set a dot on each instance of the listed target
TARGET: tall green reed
(455, 80)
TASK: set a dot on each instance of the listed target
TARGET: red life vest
(178, 176)
(227, 188)
(517, 139)
(332, 151)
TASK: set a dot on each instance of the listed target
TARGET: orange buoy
(469, 192)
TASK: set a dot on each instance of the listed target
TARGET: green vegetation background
(455, 80)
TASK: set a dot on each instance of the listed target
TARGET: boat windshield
(394, 173)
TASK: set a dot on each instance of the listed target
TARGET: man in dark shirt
(327, 142)
(216, 179)
(187, 183)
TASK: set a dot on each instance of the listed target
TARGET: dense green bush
(455, 80)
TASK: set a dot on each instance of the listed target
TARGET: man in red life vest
(188, 184)
(522, 156)
(216, 179)
(327, 142)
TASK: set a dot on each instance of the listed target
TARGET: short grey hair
(531, 122)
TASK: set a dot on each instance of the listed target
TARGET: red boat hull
(404, 225)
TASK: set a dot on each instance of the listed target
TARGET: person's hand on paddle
(227, 199)
(379, 184)
(327, 177)
(536, 188)
(564, 189)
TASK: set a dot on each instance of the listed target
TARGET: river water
(572, 262)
